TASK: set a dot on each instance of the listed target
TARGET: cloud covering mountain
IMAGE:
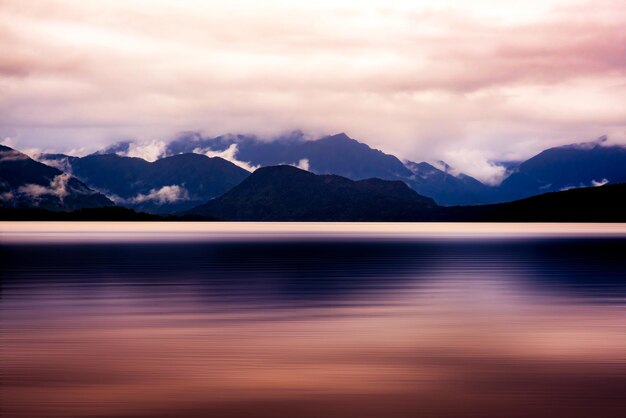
(167, 185)
(25, 183)
(466, 82)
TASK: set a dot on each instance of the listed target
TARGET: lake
(312, 320)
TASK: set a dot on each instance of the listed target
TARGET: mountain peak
(282, 170)
(26, 183)
(443, 166)
(342, 136)
(587, 145)
(570, 166)
(286, 193)
(169, 184)
(121, 147)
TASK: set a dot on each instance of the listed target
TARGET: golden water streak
(14, 232)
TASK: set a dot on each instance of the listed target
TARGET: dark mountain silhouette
(570, 166)
(575, 205)
(588, 204)
(26, 183)
(286, 193)
(104, 214)
(260, 199)
(111, 213)
(167, 185)
(592, 204)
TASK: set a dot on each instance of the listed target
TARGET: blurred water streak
(369, 325)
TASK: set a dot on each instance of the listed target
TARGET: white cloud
(58, 187)
(149, 151)
(23, 153)
(594, 183)
(229, 154)
(303, 164)
(477, 164)
(166, 194)
(79, 151)
(8, 142)
(62, 164)
(446, 168)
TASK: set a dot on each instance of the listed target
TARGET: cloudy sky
(464, 81)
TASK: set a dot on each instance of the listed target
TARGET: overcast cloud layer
(464, 81)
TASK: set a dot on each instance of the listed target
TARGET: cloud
(62, 164)
(164, 195)
(303, 164)
(12, 155)
(8, 142)
(58, 187)
(6, 196)
(478, 164)
(229, 154)
(417, 79)
(591, 144)
(594, 183)
(446, 168)
(149, 151)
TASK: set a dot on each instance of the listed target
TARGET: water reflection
(421, 327)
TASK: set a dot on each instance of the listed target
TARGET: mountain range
(26, 183)
(171, 184)
(566, 167)
(340, 155)
(286, 193)
(207, 174)
(589, 204)
(555, 169)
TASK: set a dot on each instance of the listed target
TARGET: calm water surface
(312, 320)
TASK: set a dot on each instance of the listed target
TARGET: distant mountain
(554, 169)
(62, 162)
(344, 156)
(286, 193)
(121, 147)
(335, 154)
(446, 188)
(26, 183)
(167, 185)
(341, 155)
(565, 167)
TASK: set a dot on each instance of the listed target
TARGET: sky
(468, 82)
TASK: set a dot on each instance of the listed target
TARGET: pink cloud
(496, 78)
